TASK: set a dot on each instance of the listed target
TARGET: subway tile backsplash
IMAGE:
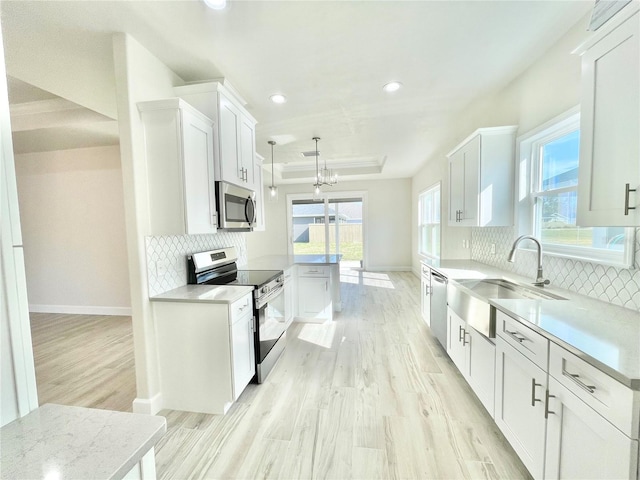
(166, 256)
(620, 286)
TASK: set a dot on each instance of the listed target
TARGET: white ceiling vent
(311, 153)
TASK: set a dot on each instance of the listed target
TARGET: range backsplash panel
(620, 286)
(166, 256)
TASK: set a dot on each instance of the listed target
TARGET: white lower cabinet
(474, 355)
(519, 405)
(425, 295)
(314, 293)
(243, 364)
(581, 444)
(205, 353)
(565, 418)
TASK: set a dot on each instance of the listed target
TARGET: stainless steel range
(219, 267)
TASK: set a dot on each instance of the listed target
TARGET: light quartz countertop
(606, 336)
(204, 293)
(56, 441)
(283, 262)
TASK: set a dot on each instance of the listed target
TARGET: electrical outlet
(180, 265)
(161, 267)
(493, 249)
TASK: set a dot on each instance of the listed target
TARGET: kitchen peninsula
(308, 277)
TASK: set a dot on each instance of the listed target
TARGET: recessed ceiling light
(216, 4)
(392, 87)
(278, 98)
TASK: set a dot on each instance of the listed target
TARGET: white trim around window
(531, 193)
(429, 222)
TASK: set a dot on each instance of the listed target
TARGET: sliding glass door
(331, 225)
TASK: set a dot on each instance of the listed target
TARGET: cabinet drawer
(241, 307)
(313, 271)
(611, 399)
(531, 344)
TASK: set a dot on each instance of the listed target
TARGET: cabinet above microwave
(235, 142)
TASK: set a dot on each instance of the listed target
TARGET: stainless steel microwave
(236, 207)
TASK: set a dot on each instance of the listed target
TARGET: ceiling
(330, 59)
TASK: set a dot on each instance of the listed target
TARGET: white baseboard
(148, 406)
(80, 310)
(389, 269)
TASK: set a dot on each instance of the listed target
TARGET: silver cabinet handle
(547, 396)
(627, 190)
(533, 392)
(519, 338)
(464, 337)
(460, 330)
(574, 377)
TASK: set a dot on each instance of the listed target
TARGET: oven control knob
(264, 290)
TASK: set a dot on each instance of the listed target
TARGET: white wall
(72, 212)
(387, 225)
(549, 87)
(140, 76)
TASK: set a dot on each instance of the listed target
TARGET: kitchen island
(310, 272)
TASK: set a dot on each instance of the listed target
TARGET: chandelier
(324, 176)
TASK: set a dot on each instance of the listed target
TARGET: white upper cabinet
(481, 179)
(609, 124)
(235, 134)
(180, 170)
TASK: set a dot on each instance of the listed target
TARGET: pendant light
(273, 190)
(324, 176)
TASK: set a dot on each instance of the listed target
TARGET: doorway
(331, 225)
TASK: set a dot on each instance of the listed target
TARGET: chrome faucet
(540, 281)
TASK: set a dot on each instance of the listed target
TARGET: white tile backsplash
(619, 286)
(167, 256)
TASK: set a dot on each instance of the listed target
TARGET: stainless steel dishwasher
(439, 307)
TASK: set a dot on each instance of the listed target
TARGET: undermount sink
(500, 288)
(475, 308)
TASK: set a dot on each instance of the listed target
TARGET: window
(553, 154)
(429, 222)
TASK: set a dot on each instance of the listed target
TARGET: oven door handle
(261, 302)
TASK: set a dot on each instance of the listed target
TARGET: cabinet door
(425, 298)
(609, 126)
(456, 187)
(583, 445)
(457, 341)
(481, 355)
(199, 188)
(248, 153)
(230, 156)
(471, 156)
(242, 345)
(314, 299)
(519, 407)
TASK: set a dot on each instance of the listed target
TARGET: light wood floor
(84, 360)
(370, 395)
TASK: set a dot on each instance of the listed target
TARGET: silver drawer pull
(575, 378)
(519, 338)
(533, 392)
(547, 396)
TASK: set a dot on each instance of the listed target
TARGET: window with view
(554, 153)
(429, 222)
